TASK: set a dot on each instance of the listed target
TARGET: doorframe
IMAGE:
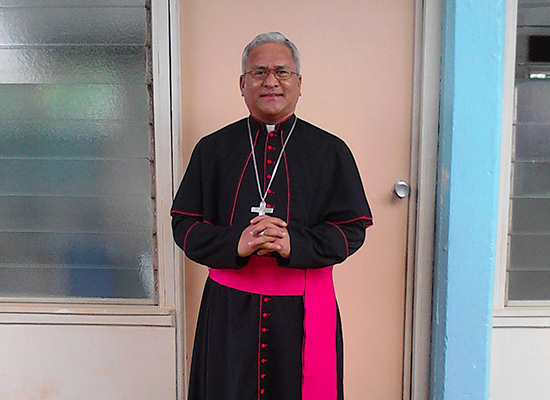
(165, 17)
(176, 166)
(423, 164)
(420, 247)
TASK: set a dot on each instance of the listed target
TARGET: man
(269, 204)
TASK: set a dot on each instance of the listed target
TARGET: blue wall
(467, 199)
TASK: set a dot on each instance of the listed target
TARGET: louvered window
(76, 172)
(529, 229)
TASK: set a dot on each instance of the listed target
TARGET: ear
(300, 84)
(241, 84)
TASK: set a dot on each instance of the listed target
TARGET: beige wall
(520, 357)
(357, 83)
(90, 361)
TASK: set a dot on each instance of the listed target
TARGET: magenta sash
(262, 275)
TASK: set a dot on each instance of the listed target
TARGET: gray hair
(270, 37)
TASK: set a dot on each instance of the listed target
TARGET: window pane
(64, 213)
(76, 208)
(529, 285)
(531, 179)
(529, 235)
(74, 139)
(65, 177)
(47, 26)
(524, 220)
(89, 264)
(73, 64)
(72, 3)
(529, 252)
(532, 142)
(70, 102)
(533, 96)
(534, 13)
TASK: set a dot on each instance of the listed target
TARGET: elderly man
(269, 203)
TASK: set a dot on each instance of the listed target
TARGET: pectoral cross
(262, 209)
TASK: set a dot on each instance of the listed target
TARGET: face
(270, 100)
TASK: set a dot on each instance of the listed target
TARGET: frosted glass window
(76, 160)
(529, 233)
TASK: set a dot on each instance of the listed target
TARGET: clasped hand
(265, 234)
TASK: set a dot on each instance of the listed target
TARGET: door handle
(401, 189)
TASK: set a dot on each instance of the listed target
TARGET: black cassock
(318, 191)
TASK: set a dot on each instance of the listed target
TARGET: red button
(265, 330)
(269, 206)
(266, 299)
(264, 345)
(262, 376)
(268, 176)
(270, 191)
(265, 315)
(262, 391)
(264, 360)
(269, 162)
(272, 134)
(270, 147)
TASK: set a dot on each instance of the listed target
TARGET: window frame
(507, 313)
(165, 72)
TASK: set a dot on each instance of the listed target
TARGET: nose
(270, 80)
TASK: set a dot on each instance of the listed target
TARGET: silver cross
(262, 209)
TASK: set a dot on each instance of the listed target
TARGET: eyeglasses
(281, 74)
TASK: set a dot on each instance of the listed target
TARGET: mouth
(271, 95)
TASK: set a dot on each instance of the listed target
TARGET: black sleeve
(214, 246)
(344, 216)
(324, 244)
(203, 242)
